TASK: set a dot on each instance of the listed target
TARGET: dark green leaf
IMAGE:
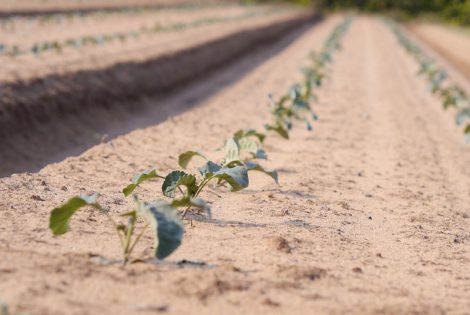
(252, 166)
(467, 129)
(462, 116)
(185, 158)
(138, 179)
(236, 177)
(59, 219)
(260, 154)
(209, 168)
(179, 178)
(166, 225)
(279, 129)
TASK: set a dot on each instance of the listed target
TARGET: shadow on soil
(49, 119)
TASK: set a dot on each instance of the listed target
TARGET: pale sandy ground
(42, 5)
(26, 34)
(448, 41)
(29, 66)
(373, 205)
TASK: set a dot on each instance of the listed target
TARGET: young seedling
(174, 180)
(162, 217)
(450, 95)
(240, 151)
(296, 104)
(293, 106)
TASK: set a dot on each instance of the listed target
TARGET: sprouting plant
(162, 217)
(296, 104)
(450, 95)
(240, 153)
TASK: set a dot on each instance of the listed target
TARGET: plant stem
(203, 184)
(128, 238)
(138, 238)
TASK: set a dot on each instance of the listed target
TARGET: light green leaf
(252, 166)
(246, 133)
(138, 179)
(185, 157)
(166, 225)
(179, 178)
(232, 151)
(59, 218)
(248, 145)
(192, 202)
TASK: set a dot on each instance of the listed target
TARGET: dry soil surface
(450, 42)
(38, 6)
(30, 66)
(371, 215)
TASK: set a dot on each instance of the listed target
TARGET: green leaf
(236, 177)
(462, 116)
(185, 158)
(138, 179)
(278, 129)
(166, 225)
(209, 168)
(248, 145)
(59, 218)
(467, 129)
(179, 178)
(232, 151)
(260, 154)
(192, 202)
(252, 166)
(246, 133)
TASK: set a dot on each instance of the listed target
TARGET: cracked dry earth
(371, 215)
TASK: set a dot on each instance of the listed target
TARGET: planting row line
(11, 23)
(242, 153)
(86, 41)
(450, 94)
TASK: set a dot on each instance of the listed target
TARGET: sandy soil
(26, 33)
(32, 7)
(27, 67)
(449, 42)
(371, 216)
(64, 114)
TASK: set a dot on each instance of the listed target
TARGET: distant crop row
(11, 23)
(182, 189)
(94, 40)
(450, 94)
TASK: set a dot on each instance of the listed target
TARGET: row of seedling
(450, 94)
(182, 189)
(95, 40)
(12, 23)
